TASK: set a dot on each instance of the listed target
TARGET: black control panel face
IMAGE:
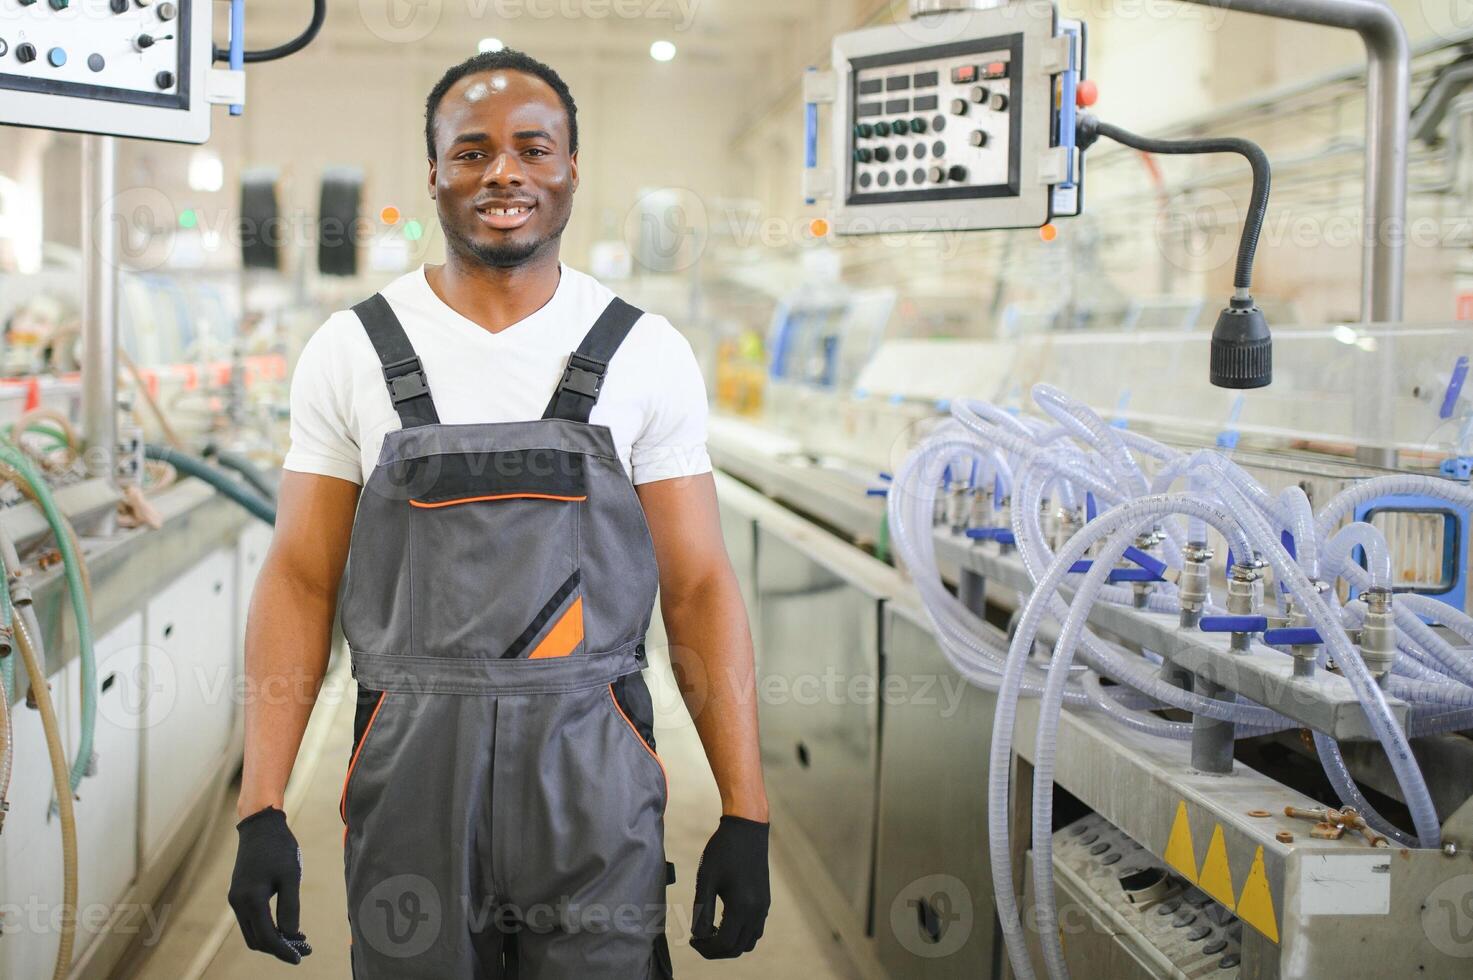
(937, 123)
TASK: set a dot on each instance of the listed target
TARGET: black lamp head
(1242, 350)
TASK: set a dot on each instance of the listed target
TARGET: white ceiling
(725, 31)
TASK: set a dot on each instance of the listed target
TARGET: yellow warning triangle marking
(1217, 877)
(1180, 853)
(1256, 904)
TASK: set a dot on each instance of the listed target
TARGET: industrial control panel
(120, 67)
(957, 121)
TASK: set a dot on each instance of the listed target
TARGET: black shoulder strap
(584, 376)
(409, 390)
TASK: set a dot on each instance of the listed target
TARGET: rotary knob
(25, 52)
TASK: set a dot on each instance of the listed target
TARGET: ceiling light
(662, 51)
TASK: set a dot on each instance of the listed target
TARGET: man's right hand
(268, 862)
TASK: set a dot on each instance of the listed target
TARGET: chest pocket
(494, 544)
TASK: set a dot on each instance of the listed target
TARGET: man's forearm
(288, 637)
(710, 638)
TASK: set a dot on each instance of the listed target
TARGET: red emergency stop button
(1086, 94)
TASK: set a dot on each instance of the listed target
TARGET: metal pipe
(1388, 109)
(100, 306)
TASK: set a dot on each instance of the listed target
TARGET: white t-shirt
(653, 398)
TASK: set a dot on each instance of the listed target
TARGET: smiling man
(504, 460)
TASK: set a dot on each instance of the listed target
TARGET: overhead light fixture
(489, 45)
(663, 51)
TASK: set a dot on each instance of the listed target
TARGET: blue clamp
(1233, 624)
(1001, 535)
(1150, 570)
(877, 492)
(1292, 636)
(1454, 388)
(1457, 468)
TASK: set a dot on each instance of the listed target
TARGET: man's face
(503, 177)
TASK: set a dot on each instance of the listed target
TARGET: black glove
(734, 869)
(269, 862)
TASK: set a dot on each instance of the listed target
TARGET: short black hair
(506, 59)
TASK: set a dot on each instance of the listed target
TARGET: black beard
(507, 256)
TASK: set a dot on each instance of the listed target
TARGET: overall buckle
(404, 385)
(583, 376)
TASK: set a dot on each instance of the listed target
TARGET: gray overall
(503, 806)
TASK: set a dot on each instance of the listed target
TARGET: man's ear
(573, 167)
(433, 172)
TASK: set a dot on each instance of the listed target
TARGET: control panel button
(962, 74)
(938, 149)
(4, 47)
(917, 125)
(936, 175)
(118, 6)
(938, 123)
(60, 4)
(900, 178)
(56, 57)
(999, 102)
(958, 107)
(901, 152)
(143, 42)
(899, 127)
(96, 62)
(864, 131)
(865, 180)
(164, 79)
(918, 175)
(996, 69)
(919, 151)
(863, 155)
(883, 179)
(25, 52)
(168, 11)
(959, 174)
(882, 129)
(979, 137)
(882, 154)
(978, 93)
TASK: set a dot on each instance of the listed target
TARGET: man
(504, 803)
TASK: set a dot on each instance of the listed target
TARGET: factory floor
(200, 941)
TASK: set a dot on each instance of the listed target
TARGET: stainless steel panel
(934, 915)
(819, 637)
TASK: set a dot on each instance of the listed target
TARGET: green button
(882, 129)
(917, 125)
(864, 131)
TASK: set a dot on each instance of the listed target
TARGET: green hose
(247, 470)
(194, 466)
(71, 564)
